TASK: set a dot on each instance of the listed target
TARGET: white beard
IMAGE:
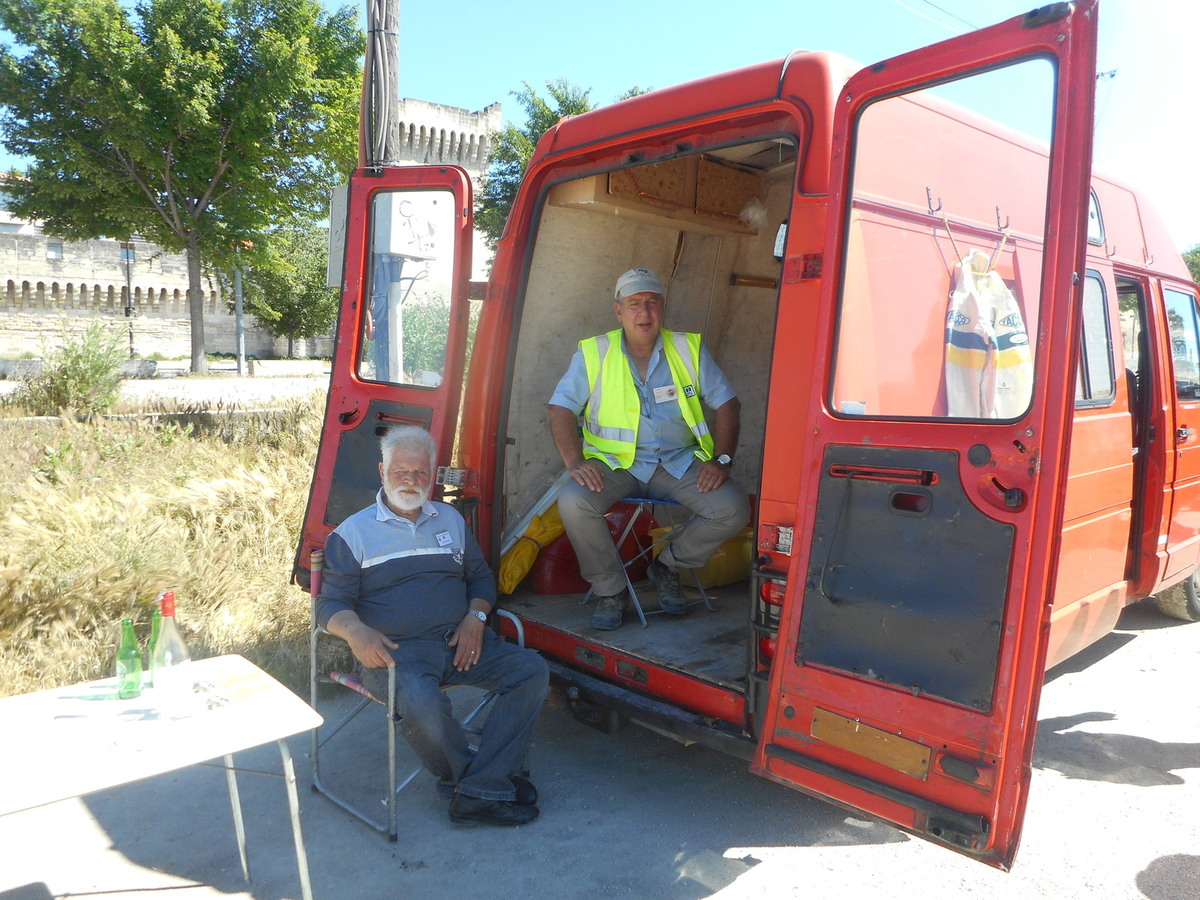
(407, 500)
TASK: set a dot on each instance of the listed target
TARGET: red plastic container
(556, 570)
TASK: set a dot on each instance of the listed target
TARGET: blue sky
(475, 52)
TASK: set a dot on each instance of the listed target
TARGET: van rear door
(401, 336)
(935, 435)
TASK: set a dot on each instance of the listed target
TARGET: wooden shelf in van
(696, 193)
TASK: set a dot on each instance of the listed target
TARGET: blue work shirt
(663, 437)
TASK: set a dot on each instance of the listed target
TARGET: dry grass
(101, 516)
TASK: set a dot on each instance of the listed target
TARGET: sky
(472, 53)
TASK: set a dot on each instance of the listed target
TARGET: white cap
(637, 281)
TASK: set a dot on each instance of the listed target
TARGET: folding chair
(322, 736)
(645, 505)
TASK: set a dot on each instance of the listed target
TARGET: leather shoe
(474, 811)
(526, 793)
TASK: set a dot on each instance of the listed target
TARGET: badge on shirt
(444, 539)
(665, 394)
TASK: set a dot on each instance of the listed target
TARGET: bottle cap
(168, 603)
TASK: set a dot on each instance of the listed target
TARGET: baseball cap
(635, 281)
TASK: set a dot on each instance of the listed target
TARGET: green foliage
(286, 289)
(514, 146)
(1192, 258)
(195, 123)
(82, 375)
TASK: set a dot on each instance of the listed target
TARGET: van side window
(406, 323)
(1185, 343)
(1094, 381)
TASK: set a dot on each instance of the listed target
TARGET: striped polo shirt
(405, 579)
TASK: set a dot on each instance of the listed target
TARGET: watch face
(724, 459)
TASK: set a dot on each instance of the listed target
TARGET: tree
(195, 123)
(286, 288)
(1192, 258)
(514, 146)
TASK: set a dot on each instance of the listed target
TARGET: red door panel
(913, 636)
(402, 333)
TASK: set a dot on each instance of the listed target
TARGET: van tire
(1181, 601)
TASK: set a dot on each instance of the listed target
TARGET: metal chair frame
(321, 736)
(640, 505)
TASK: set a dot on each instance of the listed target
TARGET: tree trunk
(291, 346)
(196, 309)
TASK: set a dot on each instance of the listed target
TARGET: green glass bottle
(129, 663)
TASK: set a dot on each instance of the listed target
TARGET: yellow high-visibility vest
(610, 418)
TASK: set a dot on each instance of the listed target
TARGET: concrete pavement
(1114, 812)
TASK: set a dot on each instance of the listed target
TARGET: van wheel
(1181, 601)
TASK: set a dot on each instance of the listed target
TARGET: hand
(711, 476)
(370, 647)
(588, 474)
(467, 642)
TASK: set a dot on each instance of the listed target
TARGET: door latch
(1184, 434)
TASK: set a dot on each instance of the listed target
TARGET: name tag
(665, 394)
(444, 539)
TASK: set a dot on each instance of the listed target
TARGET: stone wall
(48, 284)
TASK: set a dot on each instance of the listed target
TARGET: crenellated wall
(47, 283)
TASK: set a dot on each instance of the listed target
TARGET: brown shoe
(610, 611)
(670, 595)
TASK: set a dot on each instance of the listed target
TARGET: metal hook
(929, 201)
(1003, 229)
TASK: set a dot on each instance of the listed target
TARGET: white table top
(67, 742)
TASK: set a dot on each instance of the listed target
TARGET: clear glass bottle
(129, 663)
(155, 630)
(169, 661)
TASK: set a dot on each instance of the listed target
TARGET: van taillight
(766, 648)
(772, 592)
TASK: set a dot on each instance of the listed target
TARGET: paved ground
(1114, 813)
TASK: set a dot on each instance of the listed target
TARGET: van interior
(707, 223)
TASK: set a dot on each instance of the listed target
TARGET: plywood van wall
(578, 256)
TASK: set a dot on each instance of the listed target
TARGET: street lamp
(127, 257)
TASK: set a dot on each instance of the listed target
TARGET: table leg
(235, 801)
(289, 776)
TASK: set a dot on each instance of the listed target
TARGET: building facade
(49, 286)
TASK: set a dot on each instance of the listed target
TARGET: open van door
(913, 638)
(401, 336)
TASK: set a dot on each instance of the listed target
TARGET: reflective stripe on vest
(614, 404)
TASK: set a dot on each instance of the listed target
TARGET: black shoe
(474, 811)
(610, 611)
(526, 793)
(670, 595)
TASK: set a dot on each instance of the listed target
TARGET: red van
(935, 521)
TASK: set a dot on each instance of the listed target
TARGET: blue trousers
(423, 667)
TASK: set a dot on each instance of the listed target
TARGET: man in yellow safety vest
(639, 389)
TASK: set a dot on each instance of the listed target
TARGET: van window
(1094, 384)
(411, 271)
(940, 276)
(1185, 344)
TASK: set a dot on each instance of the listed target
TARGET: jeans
(423, 667)
(719, 515)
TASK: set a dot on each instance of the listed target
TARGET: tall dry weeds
(98, 517)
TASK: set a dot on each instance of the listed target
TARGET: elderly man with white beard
(406, 586)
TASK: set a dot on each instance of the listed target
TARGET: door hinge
(450, 477)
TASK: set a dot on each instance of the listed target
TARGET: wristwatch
(725, 460)
(479, 614)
